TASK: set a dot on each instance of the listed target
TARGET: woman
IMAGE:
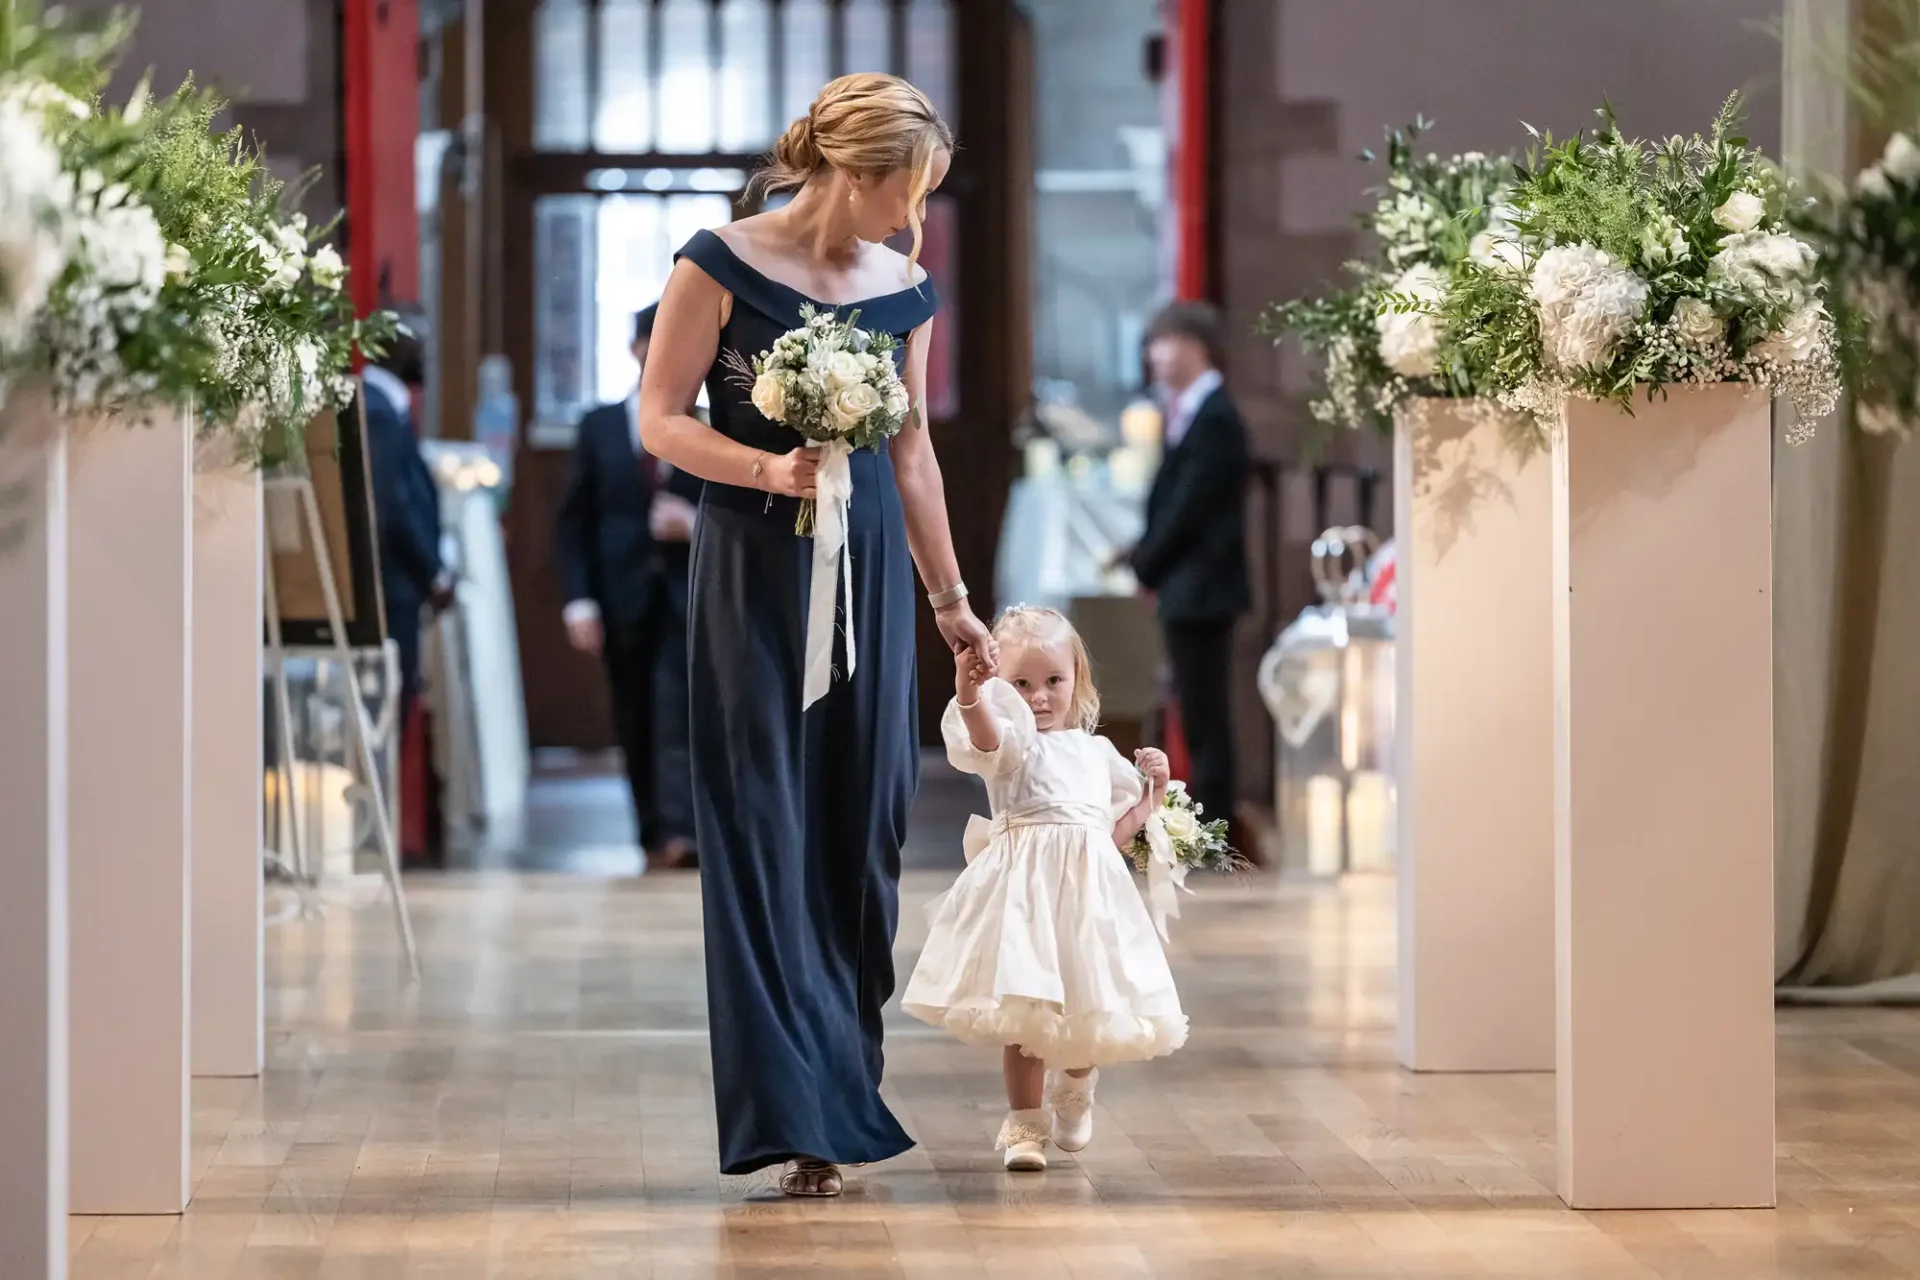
(800, 814)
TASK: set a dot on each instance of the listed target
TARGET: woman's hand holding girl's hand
(1152, 762)
(969, 673)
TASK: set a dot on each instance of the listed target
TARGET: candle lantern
(1328, 683)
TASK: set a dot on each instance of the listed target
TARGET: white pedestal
(33, 782)
(1473, 523)
(129, 646)
(228, 1029)
(1664, 807)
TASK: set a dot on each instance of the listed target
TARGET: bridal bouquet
(1642, 265)
(1433, 215)
(1175, 840)
(835, 384)
(831, 381)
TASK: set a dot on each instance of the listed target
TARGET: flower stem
(803, 522)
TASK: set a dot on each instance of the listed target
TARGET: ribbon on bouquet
(1166, 877)
(832, 566)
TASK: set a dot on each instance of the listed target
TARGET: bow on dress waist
(1042, 813)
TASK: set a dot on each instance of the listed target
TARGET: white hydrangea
(1767, 266)
(1873, 182)
(36, 232)
(1588, 303)
(1410, 341)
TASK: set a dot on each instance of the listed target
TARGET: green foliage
(1428, 218)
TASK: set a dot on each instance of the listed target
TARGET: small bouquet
(835, 384)
(1198, 845)
(1175, 841)
(831, 381)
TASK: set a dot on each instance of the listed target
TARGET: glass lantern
(1328, 683)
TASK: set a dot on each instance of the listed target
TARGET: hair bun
(797, 151)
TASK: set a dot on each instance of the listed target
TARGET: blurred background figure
(406, 501)
(623, 546)
(1192, 557)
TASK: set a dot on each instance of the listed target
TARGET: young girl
(1043, 944)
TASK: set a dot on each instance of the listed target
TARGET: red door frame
(380, 106)
(1192, 47)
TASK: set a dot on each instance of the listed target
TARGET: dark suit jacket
(1193, 556)
(406, 505)
(607, 553)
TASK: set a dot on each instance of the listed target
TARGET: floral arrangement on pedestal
(1433, 215)
(146, 260)
(1869, 244)
(1643, 265)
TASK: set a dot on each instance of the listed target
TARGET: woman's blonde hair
(868, 124)
(1049, 629)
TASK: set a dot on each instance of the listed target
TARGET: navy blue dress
(799, 815)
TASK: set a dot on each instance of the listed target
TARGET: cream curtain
(1847, 640)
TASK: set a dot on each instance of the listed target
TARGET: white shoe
(1072, 1101)
(1023, 1141)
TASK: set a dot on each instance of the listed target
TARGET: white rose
(329, 272)
(179, 263)
(851, 405)
(1873, 182)
(1902, 160)
(770, 396)
(1742, 211)
(897, 400)
(1180, 823)
(1802, 338)
(1410, 340)
(1696, 324)
(843, 369)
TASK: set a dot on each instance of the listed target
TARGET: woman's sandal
(815, 1178)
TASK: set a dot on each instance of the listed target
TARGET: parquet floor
(538, 1108)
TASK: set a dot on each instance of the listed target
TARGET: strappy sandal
(818, 1179)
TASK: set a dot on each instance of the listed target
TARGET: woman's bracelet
(951, 596)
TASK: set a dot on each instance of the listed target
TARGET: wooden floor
(539, 1107)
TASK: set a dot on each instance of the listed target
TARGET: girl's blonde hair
(869, 124)
(1049, 629)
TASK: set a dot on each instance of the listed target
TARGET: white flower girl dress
(1044, 941)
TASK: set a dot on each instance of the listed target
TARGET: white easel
(360, 729)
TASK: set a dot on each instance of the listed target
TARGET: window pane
(564, 252)
(638, 237)
(623, 120)
(930, 53)
(559, 76)
(808, 66)
(746, 71)
(686, 76)
(868, 35)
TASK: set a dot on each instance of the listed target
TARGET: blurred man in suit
(623, 544)
(1193, 557)
(406, 502)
